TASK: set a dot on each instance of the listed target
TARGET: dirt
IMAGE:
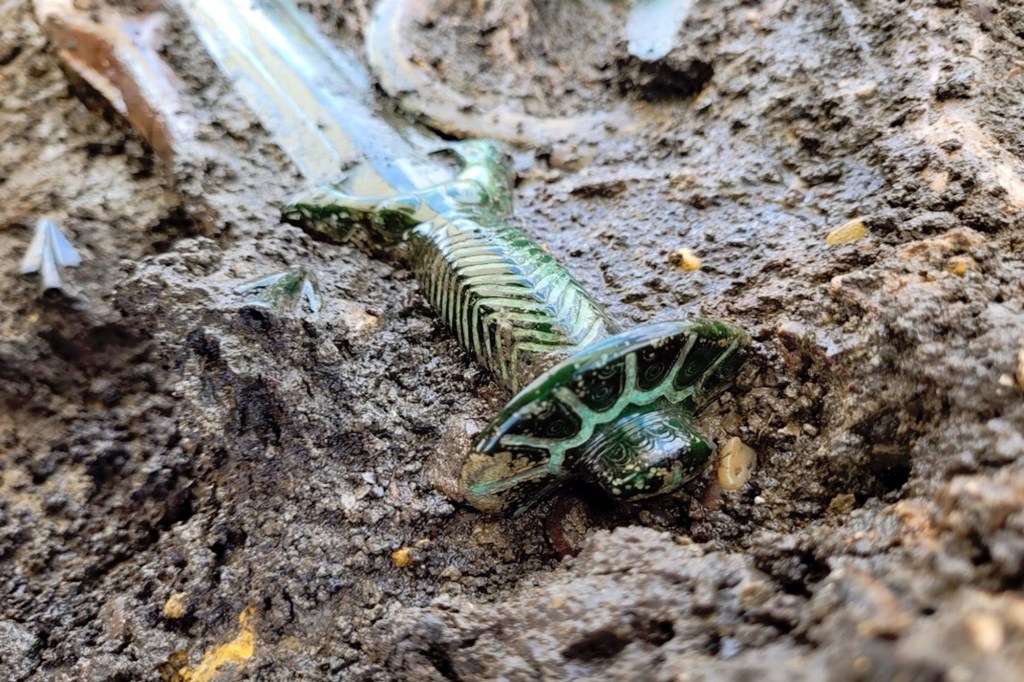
(187, 479)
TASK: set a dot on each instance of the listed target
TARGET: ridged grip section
(508, 301)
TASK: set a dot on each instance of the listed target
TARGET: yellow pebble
(1019, 376)
(174, 607)
(234, 653)
(959, 265)
(736, 464)
(987, 632)
(852, 231)
(401, 557)
(686, 259)
(842, 504)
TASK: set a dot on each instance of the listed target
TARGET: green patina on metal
(592, 402)
(611, 407)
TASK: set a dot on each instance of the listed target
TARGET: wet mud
(193, 487)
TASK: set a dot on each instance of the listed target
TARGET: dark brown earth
(174, 459)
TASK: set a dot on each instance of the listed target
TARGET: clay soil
(190, 481)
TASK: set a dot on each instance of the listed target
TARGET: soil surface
(193, 487)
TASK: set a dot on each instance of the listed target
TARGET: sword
(591, 402)
(316, 100)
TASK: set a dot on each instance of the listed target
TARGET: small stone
(1020, 368)
(565, 156)
(729, 647)
(735, 464)
(887, 625)
(17, 644)
(358, 320)
(754, 593)
(451, 572)
(961, 265)
(567, 525)
(327, 353)
(1009, 442)
(792, 429)
(401, 557)
(867, 91)
(842, 504)
(114, 616)
(791, 329)
(348, 501)
(686, 260)
(1015, 612)
(704, 597)
(938, 180)
(731, 423)
(175, 607)
(986, 632)
(853, 231)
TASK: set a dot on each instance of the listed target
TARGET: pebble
(174, 607)
(401, 557)
(686, 260)
(735, 464)
(327, 353)
(847, 233)
(986, 632)
(867, 91)
(1020, 368)
(961, 265)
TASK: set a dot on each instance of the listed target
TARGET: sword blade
(316, 100)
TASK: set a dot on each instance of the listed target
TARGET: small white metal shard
(48, 252)
(282, 290)
(313, 299)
